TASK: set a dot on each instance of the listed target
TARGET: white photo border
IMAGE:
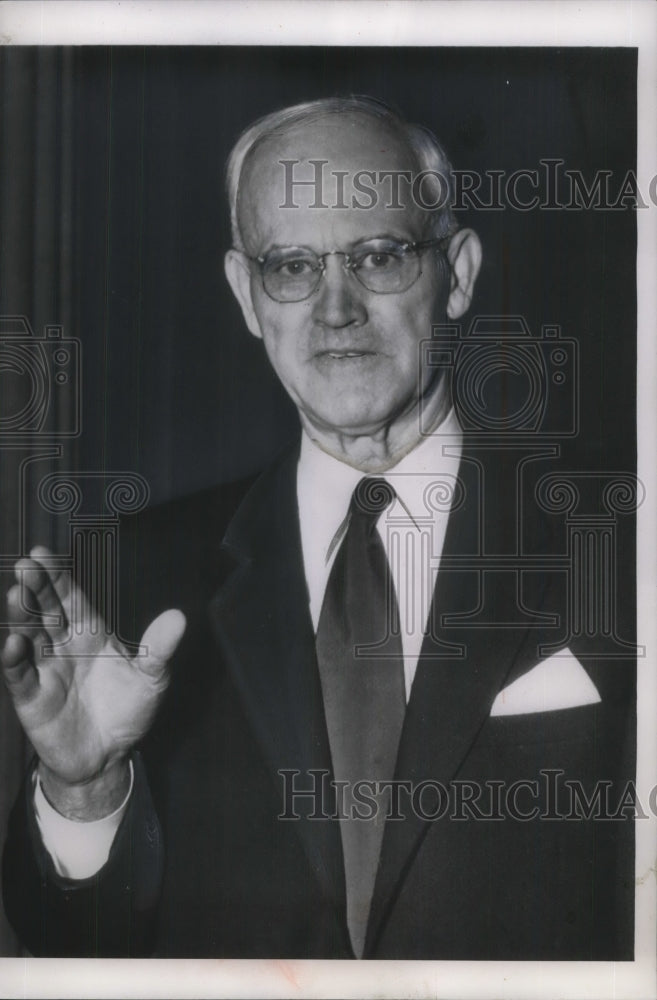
(407, 23)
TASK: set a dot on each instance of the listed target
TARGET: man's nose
(337, 301)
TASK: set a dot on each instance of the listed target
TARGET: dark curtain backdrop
(36, 220)
(114, 226)
(175, 386)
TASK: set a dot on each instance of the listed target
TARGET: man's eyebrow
(390, 237)
(287, 246)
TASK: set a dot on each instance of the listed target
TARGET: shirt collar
(325, 484)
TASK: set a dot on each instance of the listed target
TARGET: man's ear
(239, 278)
(464, 256)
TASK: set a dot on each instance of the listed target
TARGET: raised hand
(87, 703)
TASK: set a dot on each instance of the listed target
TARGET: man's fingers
(20, 676)
(60, 579)
(161, 639)
(27, 623)
(23, 609)
(16, 649)
(62, 596)
(36, 580)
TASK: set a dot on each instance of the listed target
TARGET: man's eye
(296, 268)
(378, 260)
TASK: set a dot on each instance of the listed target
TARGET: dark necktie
(360, 659)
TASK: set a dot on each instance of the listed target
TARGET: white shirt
(412, 531)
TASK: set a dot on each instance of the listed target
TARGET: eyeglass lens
(292, 273)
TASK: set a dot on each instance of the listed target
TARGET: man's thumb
(161, 639)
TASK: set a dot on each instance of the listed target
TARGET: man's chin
(353, 422)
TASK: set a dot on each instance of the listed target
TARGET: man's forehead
(330, 174)
(353, 139)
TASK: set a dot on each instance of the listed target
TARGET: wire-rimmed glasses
(385, 266)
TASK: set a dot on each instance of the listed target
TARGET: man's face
(348, 357)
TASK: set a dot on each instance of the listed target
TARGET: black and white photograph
(326, 535)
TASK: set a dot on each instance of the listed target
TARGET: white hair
(429, 155)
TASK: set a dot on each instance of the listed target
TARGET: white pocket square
(560, 681)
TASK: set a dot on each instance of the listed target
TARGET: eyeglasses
(292, 274)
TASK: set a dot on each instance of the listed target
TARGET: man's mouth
(345, 355)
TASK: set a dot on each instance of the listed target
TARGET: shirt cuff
(78, 850)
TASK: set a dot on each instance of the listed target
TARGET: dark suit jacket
(204, 865)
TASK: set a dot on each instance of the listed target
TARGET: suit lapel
(459, 673)
(262, 620)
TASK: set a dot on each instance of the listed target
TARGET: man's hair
(422, 144)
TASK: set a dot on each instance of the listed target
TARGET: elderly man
(327, 752)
